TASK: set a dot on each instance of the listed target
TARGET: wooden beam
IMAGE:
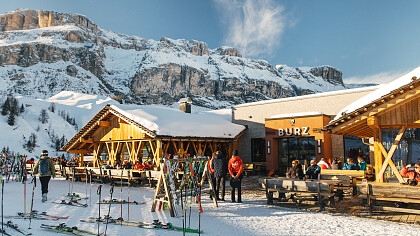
(105, 123)
(80, 151)
(373, 122)
(86, 140)
(391, 164)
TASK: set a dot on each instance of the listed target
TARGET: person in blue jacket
(362, 163)
(350, 165)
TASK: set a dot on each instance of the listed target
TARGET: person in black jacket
(296, 171)
(220, 167)
(313, 171)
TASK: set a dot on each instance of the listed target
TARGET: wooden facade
(111, 135)
(398, 109)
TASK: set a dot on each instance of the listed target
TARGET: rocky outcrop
(228, 51)
(330, 74)
(24, 19)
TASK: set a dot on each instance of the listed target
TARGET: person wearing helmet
(44, 167)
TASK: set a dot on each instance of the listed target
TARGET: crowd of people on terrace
(315, 168)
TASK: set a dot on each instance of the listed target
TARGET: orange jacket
(138, 166)
(412, 175)
(209, 163)
(235, 166)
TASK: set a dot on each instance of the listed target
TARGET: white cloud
(254, 27)
(380, 78)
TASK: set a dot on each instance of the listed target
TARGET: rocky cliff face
(45, 52)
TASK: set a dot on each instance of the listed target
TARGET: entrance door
(302, 149)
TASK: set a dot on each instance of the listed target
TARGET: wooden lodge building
(282, 130)
(149, 133)
(390, 118)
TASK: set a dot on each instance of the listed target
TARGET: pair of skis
(66, 229)
(38, 216)
(71, 203)
(156, 224)
(116, 201)
(16, 228)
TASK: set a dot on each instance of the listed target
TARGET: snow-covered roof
(379, 93)
(165, 121)
(300, 114)
(345, 91)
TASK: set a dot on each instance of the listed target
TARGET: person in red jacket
(235, 168)
(413, 176)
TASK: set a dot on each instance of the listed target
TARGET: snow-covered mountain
(45, 52)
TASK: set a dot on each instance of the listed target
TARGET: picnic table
(315, 190)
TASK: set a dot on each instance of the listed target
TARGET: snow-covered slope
(45, 52)
(80, 107)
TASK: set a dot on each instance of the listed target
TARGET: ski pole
(99, 193)
(32, 200)
(2, 193)
(128, 196)
(182, 210)
(199, 214)
(111, 191)
(90, 188)
(72, 182)
(122, 172)
(86, 171)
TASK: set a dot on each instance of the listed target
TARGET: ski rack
(165, 195)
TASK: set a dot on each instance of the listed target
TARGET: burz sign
(296, 131)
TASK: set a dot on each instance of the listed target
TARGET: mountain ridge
(45, 52)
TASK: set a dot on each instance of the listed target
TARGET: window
(408, 149)
(354, 147)
(258, 149)
(302, 149)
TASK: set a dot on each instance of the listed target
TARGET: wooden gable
(119, 130)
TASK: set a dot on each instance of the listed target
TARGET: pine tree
(43, 116)
(22, 109)
(11, 119)
(52, 107)
(5, 107)
(14, 106)
(31, 142)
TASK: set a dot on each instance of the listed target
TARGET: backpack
(43, 166)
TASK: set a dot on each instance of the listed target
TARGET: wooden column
(159, 152)
(81, 159)
(377, 140)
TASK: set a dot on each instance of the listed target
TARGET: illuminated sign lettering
(294, 131)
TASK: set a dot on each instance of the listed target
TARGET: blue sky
(368, 40)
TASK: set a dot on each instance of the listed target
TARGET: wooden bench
(248, 169)
(58, 170)
(29, 168)
(390, 197)
(348, 179)
(253, 168)
(74, 173)
(123, 176)
(313, 190)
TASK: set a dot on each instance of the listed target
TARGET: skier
(44, 167)
(235, 170)
(220, 166)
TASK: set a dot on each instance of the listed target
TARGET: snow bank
(252, 217)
